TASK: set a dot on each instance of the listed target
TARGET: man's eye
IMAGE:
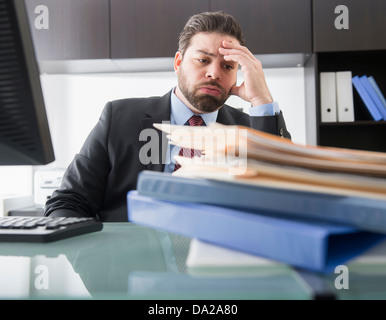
(203, 60)
(228, 67)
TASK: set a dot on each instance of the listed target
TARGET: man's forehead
(209, 36)
(208, 42)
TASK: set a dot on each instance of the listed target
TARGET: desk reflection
(93, 264)
(125, 261)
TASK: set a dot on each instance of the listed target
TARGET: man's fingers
(235, 90)
(230, 45)
(242, 60)
(241, 57)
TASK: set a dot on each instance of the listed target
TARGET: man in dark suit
(211, 49)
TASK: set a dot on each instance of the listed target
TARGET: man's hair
(217, 21)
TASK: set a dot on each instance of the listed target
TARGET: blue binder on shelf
(374, 96)
(363, 213)
(312, 245)
(370, 105)
(377, 90)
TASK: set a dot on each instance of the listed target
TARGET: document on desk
(251, 156)
(230, 147)
(317, 246)
(206, 255)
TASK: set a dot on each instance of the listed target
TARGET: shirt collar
(181, 113)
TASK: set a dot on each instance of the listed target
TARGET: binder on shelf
(328, 97)
(371, 107)
(377, 90)
(316, 246)
(344, 96)
(374, 96)
(360, 212)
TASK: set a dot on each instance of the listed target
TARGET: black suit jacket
(97, 181)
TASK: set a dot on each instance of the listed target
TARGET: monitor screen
(24, 132)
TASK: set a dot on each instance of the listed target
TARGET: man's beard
(203, 102)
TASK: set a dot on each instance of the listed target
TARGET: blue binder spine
(377, 90)
(371, 107)
(365, 213)
(315, 246)
(373, 95)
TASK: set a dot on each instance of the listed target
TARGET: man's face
(204, 77)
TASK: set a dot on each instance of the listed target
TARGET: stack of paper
(308, 206)
(250, 156)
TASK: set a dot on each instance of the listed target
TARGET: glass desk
(126, 261)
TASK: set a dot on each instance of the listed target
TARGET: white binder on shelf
(344, 96)
(328, 97)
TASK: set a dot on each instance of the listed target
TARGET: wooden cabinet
(359, 25)
(149, 28)
(272, 26)
(70, 29)
(124, 29)
(360, 49)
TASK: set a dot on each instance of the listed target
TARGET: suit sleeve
(271, 124)
(83, 186)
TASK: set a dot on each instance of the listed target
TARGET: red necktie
(186, 152)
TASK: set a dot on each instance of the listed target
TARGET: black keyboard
(45, 229)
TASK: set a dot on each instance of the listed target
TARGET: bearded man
(211, 50)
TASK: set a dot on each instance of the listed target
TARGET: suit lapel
(224, 117)
(158, 113)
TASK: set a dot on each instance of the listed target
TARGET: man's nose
(213, 72)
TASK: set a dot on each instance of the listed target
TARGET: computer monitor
(24, 131)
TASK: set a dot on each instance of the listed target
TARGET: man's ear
(177, 61)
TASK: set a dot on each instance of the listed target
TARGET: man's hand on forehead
(254, 88)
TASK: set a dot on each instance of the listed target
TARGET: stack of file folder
(310, 207)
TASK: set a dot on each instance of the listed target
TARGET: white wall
(74, 104)
(15, 180)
